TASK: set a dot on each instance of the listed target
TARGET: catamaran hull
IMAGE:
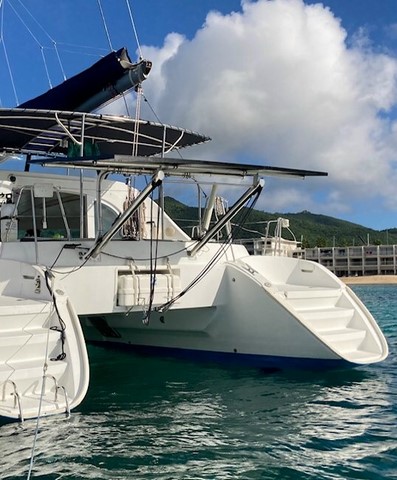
(264, 321)
(261, 310)
(157, 344)
(245, 325)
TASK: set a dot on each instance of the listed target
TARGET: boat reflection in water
(187, 420)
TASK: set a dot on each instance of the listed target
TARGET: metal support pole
(81, 179)
(257, 187)
(102, 241)
(209, 209)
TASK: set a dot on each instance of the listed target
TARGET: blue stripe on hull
(268, 362)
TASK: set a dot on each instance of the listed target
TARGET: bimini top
(52, 132)
(60, 122)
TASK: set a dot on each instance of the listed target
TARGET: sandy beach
(370, 279)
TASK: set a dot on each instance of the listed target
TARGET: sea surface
(159, 418)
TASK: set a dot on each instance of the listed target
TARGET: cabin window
(109, 216)
(50, 222)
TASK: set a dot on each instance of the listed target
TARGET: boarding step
(47, 399)
(320, 319)
(21, 388)
(29, 371)
(344, 340)
(16, 313)
(301, 298)
(363, 356)
(40, 336)
(312, 293)
(26, 343)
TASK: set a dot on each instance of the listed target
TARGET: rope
(46, 34)
(62, 326)
(25, 25)
(152, 109)
(153, 263)
(42, 394)
(2, 7)
(59, 59)
(1, 20)
(34, 38)
(78, 48)
(226, 244)
(45, 66)
(105, 25)
(10, 72)
(134, 29)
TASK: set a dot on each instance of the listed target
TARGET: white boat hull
(250, 309)
(250, 319)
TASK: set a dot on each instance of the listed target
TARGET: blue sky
(279, 82)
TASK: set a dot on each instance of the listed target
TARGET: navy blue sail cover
(96, 85)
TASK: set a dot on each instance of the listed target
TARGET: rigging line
(35, 39)
(125, 103)
(46, 67)
(222, 249)
(152, 109)
(10, 73)
(135, 141)
(42, 394)
(153, 261)
(59, 60)
(95, 51)
(184, 249)
(245, 214)
(134, 29)
(36, 21)
(2, 20)
(178, 151)
(105, 25)
(152, 277)
(87, 47)
(62, 326)
(165, 306)
(47, 35)
(152, 271)
(73, 270)
(1, 33)
(26, 26)
(248, 229)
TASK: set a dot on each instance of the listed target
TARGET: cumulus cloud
(279, 83)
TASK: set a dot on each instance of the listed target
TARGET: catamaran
(88, 256)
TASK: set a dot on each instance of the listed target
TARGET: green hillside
(312, 229)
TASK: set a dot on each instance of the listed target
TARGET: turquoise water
(148, 418)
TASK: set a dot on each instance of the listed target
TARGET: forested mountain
(312, 229)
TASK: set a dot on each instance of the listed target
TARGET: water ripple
(168, 420)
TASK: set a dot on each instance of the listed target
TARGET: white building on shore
(353, 261)
(356, 261)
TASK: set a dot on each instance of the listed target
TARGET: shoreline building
(356, 261)
(342, 261)
(348, 261)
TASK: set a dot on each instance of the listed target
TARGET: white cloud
(277, 82)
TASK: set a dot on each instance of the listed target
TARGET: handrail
(17, 398)
(55, 383)
(67, 409)
(57, 388)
